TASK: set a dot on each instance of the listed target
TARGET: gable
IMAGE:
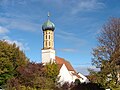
(63, 61)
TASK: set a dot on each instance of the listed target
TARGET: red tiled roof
(59, 66)
(76, 74)
(61, 61)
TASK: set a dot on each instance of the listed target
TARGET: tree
(10, 58)
(35, 76)
(52, 71)
(17, 73)
(107, 53)
(77, 81)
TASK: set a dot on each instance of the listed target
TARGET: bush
(88, 86)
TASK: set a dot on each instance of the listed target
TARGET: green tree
(10, 58)
(52, 71)
(107, 53)
(77, 82)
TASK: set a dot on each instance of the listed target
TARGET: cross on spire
(48, 15)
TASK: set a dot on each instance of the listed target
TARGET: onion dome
(48, 25)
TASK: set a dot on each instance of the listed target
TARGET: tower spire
(48, 52)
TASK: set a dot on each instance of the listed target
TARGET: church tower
(48, 52)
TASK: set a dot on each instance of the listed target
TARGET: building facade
(66, 71)
(48, 52)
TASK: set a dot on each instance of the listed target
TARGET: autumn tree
(35, 76)
(10, 58)
(17, 73)
(107, 53)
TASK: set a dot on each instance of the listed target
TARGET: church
(66, 72)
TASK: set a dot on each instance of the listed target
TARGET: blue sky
(78, 23)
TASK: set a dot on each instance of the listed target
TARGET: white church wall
(118, 76)
(83, 78)
(48, 55)
(64, 74)
(73, 76)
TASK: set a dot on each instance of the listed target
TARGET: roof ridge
(60, 60)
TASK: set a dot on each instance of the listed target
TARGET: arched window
(46, 44)
(49, 36)
(49, 43)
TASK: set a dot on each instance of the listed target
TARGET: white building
(66, 71)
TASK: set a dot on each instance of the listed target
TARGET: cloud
(12, 2)
(23, 25)
(67, 49)
(69, 37)
(19, 24)
(87, 5)
(23, 46)
(84, 69)
(3, 30)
